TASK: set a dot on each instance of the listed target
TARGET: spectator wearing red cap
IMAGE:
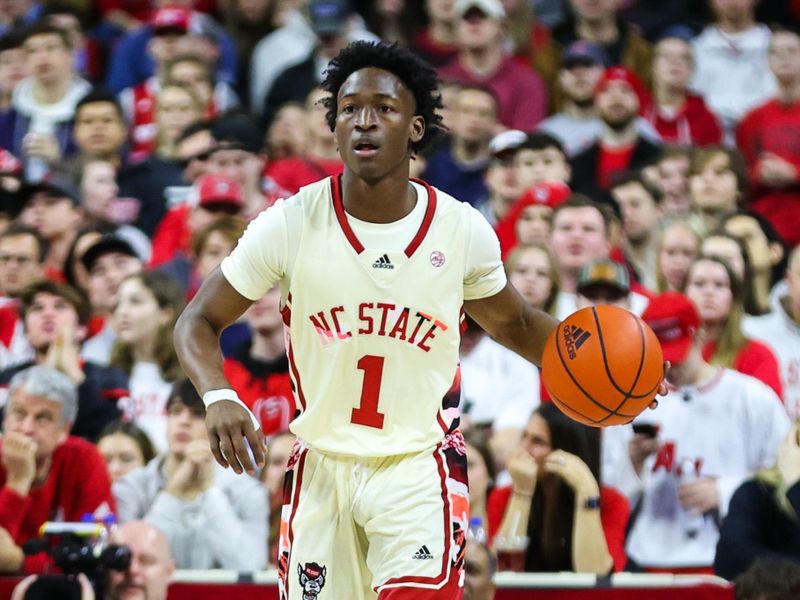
(577, 125)
(131, 63)
(596, 23)
(169, 42)
(482, 60)
(213, 196)
(620, 97)
(530, 219)
(714, 429)
(768, 138)
(679, 116)
(730, 56)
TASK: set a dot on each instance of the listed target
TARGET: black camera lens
(116, 557)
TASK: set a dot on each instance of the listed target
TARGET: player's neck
(384, 201)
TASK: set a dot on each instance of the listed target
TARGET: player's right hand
(230, 432)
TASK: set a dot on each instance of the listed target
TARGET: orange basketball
(602, 366)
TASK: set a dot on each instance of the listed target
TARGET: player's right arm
(216, 306)
(257, 263)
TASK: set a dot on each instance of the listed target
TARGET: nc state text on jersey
(378, 318)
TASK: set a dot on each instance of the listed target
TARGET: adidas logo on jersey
(574, 338)
(423, 554)
(383, 263)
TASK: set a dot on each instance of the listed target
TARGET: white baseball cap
(491, 8)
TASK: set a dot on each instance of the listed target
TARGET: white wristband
(212, 396)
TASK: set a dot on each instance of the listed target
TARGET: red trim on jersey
(286, 311)
(301, 462)
(442, 424)
(341, 216)
(338, 207)
(296, 376)
(442, 577)
(426, 221)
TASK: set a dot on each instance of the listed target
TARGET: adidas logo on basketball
(423, 554)
(574, 338)
(383, 263)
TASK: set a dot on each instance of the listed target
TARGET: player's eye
(348, 109)
(385, 108)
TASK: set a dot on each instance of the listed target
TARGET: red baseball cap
(548, 193)
(215, 191)
(620, 73)
(674, 320)
(172, 19)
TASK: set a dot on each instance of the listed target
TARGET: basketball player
(374, 271)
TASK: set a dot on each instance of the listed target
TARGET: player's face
(121, 453)
(536, 439)
(376, 124)
(709, 287)
(531, 276)
(679, 247)
(579, 236)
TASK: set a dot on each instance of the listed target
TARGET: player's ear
(417, 129)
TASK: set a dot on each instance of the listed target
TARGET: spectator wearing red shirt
(769, 138)
(716, 291)
(319, 159)
(259, 370)
(482, 60)
(212, 197)
(45, 474)
(679, 116)
(557, 500)
(620, 96)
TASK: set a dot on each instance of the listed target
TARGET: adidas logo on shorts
(383, 263)
(423, 554)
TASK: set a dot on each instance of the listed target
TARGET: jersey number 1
(366, 413)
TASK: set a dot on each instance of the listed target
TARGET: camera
(75, 548)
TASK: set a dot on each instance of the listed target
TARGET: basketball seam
(605, 363)
(579, 386)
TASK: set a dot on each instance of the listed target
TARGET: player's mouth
(366, 148)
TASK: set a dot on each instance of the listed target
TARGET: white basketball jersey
(373, 332)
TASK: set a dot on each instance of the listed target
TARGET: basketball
(602, 366)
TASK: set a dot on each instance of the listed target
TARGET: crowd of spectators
(627, 152)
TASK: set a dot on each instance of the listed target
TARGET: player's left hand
(662, 387)
(230, 432)
(701, 495)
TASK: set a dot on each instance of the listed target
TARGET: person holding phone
(762, 519)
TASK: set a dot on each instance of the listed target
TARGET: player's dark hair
(552, 515)
(416, 74)
(133, 431)
(96, 96)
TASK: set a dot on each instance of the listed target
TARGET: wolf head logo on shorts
(312, 579)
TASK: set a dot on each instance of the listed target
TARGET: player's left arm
(513, 322)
